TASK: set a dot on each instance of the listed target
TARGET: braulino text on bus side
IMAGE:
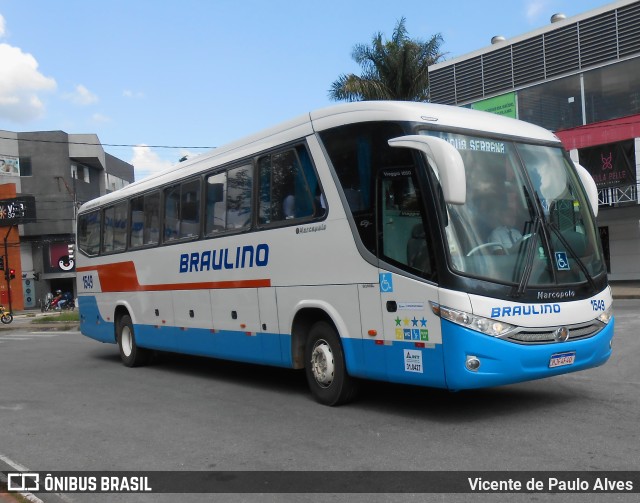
(240, 257)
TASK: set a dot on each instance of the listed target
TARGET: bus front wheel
(130, 354)
(325, 368)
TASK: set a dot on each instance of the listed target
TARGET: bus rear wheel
(325, 368)
(130, 354)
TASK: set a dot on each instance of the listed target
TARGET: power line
(103, 144)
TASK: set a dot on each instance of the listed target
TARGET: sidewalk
(625, 289)
(22, 319)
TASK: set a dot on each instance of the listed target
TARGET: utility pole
(7, 267)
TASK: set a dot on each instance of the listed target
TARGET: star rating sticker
(406, 322)
(414, 322)
(398, 321)
(423, 322)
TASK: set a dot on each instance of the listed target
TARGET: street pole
(7, 268)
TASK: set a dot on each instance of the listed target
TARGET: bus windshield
(526, 220)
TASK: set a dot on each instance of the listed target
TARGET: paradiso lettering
(240, 257)
(527, 310)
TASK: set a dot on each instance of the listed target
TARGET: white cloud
(128, 93)
(100, 118)
(21, 84)
(534, 9)
(81, 96)
(147, 162)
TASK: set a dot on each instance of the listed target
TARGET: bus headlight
(486, 326)
(606, 316)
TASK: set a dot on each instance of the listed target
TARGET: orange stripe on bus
(123, 277)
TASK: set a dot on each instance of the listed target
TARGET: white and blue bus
(393, 241)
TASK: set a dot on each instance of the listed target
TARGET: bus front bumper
(505, 362)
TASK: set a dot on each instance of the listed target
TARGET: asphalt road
(67, 404)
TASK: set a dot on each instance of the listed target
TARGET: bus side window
(404, 241)
(114, 237)
(228, 200)
(357, 153)
(89, 233)
(216, 204)
(190, 209)
(239, 190)
(136, 236)
(289, 188)
(171, 212)
(145, 220)
(151, 233)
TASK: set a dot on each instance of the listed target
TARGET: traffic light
(2, 263)
(12, 273)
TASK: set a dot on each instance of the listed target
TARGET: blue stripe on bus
(92, 324)
(504, 362)
(262, 347)
(366, 359)
(441, 366)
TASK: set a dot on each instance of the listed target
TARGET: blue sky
(202, 73)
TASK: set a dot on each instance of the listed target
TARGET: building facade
(579, 77)
(58, 172)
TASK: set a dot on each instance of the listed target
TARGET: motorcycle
(52, 303)
(5, 317)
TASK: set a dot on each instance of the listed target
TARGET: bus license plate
(562, 359)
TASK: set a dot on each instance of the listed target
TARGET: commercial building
(44, 177)
(579, 77)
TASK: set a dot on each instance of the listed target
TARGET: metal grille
(561, 51)
(586, 43)
(546, 335)
(528, 61)
(496, 69)
(442, 87)
(598, 40)
(469, 79)
(629, 29)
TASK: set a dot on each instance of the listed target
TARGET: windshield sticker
(411, 306)
(562, 263)
(413, 360)
(386, 282)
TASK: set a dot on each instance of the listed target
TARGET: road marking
(27, 495)
(12, 407)
(18, 467)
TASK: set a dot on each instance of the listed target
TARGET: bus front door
(412, 333)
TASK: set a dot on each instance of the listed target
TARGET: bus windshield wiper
(529, 255)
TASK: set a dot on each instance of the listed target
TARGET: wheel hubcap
(127, 341)
(322, 364)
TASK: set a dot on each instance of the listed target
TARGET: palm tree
(391, 70)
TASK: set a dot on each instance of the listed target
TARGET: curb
(61, 326)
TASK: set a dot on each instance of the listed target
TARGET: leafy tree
(395, 69)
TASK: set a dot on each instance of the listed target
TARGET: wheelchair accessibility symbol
(562, 263)
(386, 282)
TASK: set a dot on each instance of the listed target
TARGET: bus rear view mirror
(445, 158)
(589, 187)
